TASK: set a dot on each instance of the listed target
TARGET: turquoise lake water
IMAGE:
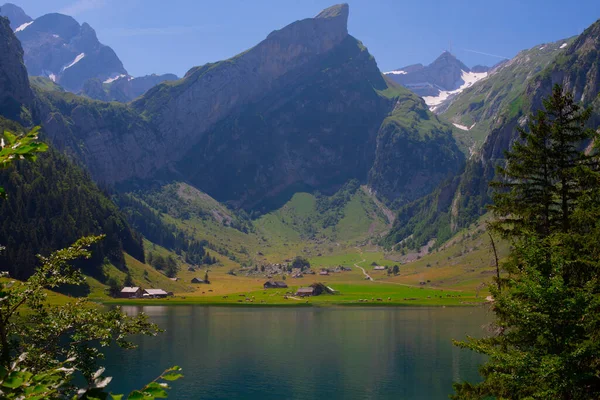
(303, 353)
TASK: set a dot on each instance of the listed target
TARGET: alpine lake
(303, 353)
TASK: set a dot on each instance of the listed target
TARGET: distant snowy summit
(439, 81)
(57, 47)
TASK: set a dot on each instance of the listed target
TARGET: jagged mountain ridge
(302, 109)
(436, 82)
(514, 92)
(58, 47)
(478, 109)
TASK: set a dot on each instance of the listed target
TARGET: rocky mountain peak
(15, 14)
(58, 47)
(439, 81)
(247, 76)
(315, 35)
(61, 25)
(448, 60)
(338, 11)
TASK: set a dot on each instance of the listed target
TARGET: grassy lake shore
(350, 294)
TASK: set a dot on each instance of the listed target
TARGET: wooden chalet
(305, 291)
(156, 293)
(129, 292)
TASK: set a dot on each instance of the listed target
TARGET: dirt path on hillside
(363, 270)
(358, 266)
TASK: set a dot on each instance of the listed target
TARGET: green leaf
(13, 380)
(10, 137)
(172, 376)
(136, 395)
(156, 390)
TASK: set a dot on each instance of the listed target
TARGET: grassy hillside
(477, 108)
(307, 224)
(44, 83)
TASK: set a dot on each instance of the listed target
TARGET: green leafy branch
(15, 148)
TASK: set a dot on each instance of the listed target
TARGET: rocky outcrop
(15, 93)
(415, 152)
(15, 15)
(58, 47)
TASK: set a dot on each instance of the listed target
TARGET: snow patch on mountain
(468, 79)
(463, 127)
(562, 46)
(23, 26)
(114, 78)
(75, 61)
(399, 72)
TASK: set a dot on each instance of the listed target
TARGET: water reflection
(152, 311)
(342, 353)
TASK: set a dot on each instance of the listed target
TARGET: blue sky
(175, 35)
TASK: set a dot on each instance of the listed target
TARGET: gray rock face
(15, 14)
(58, 47)
(111, 139)
(14, 83)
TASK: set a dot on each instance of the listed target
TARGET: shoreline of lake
(190, 302)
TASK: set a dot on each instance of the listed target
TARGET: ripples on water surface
(303, 353)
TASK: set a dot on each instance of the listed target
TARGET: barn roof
(156, 292)
(129, 289)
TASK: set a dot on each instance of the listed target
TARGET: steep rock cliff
(15, 94)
